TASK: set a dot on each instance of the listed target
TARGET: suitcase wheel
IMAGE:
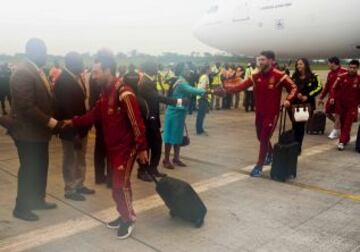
(172, 214)
(199, 223)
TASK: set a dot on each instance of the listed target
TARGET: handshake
(62, 126)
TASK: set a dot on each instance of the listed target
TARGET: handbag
(186, 138)
(301, 113)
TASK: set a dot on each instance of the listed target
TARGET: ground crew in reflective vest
(216, 83)
(203, 100)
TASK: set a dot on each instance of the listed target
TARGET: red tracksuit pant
(348, 115)
(121, 188)
(265, 126)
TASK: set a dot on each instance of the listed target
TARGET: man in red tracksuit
(335, 70)
(268, 85)
(119, 114)
(347, 92)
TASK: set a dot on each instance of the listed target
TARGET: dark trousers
(299, 127)
(192, 105)
(237, 100)
(203, 106)
(299, 132)
(33, 172)
(249, 101)
(227, 101)
(102, 166)
(154, 140)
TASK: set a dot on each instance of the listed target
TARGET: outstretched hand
(67, 124)
(287, 104)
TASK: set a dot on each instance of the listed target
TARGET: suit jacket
(148, 91)
(70, 97)
(33, 104)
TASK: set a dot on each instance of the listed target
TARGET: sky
(148, 26)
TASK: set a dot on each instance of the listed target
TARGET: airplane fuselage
(292, 28)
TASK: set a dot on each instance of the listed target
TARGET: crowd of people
(124, 106)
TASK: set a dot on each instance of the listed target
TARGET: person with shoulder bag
(175, 116)
(309, 86)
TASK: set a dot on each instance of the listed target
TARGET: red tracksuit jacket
(331, 78)
(267, 89)
(119, 113)
(347, 91)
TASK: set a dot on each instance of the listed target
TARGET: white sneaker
(334, 134)
(340, 146)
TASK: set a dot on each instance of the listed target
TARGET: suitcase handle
(282, 124)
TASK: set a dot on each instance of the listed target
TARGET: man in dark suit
(71, 96)
(33, 108)
(148, 92)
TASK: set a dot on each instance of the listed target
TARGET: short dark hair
(73, 60)
(34, 45)
(179, 69)
(106, 59)
(149, 67)
(268, 54)
(334, 60)
(354, 62)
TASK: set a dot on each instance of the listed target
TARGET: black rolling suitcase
(286, 153)
(181, 199)
(316, 124)
(357, 144)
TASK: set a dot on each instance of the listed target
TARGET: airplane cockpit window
(213, 9)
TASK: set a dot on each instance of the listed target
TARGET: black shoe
(108, 181)
(75, 196)
(158, 174)
(85, 190)
(44, 206)
(125, 230)
(25, 215)
(144, 177)
(115, 224)
(109, 184)
(100, 180)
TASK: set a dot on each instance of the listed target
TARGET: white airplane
(292, 28)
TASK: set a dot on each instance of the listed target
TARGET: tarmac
(318, 211)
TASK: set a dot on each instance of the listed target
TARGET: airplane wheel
(172, 215)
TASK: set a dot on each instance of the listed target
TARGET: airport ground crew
(268, 84)
(335, 71)
(347, 92)
(203, 101)
(249, 101)
(216, 82)
(124, 134)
